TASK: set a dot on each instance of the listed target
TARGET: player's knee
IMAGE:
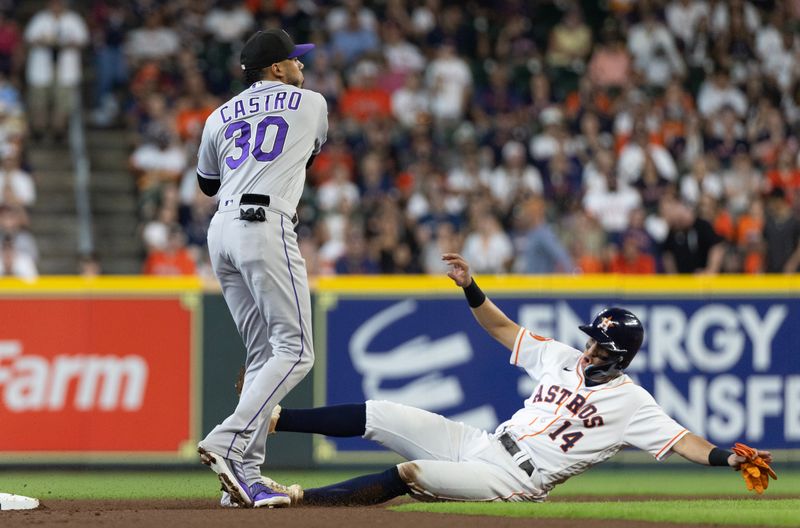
(409, 472)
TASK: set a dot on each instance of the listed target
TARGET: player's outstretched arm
(699, 450)
(753, 464)
(490, 317)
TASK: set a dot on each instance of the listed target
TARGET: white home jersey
(259, 143)
(567, 427)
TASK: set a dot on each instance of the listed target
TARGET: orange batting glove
(755, 469)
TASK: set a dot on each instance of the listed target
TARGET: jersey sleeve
(207, 159)
(652, 430)
(322, 126)
(528, 351)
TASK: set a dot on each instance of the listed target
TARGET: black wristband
(475, 297)
(719, 457)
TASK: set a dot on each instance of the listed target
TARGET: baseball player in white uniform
(583, 410)
(253, 155)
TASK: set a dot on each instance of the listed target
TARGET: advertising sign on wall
(727, 368)
(81, 376)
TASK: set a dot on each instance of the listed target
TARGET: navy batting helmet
(618, 331)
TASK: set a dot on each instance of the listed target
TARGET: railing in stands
(80, 159)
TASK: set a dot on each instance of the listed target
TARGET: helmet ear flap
(622, 361)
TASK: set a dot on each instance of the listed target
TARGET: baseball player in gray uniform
(253, 155)
(583, 410)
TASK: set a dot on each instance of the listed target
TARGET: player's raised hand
(460, 269)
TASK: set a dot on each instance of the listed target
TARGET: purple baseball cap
(270, 46)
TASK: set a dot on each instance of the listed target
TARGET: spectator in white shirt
(338, 193)
(514, 176)
(612, 204)
(412, 102)
(14, 263)
(154, 40)
(718, 92)
(469, 175)
(55, 37)
(594, 173)
(632, 158)
(401, 56)
(13, 222)
(683, 18)
(742, 183)
(768, 40)
(16, 185)
(488, 248)
(721, 16)
(781, 62)
(338, 17)
(159, 161)
(654, 51)
(700, 181)
(553, 139)
(450, 81)
(229, 22)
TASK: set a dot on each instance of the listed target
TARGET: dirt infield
(206, 514)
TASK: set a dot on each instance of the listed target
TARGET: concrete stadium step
(113, 180)
(120, 266)
(110, 138)
(49, 195)
(48, 178)
(53, 223)
(64, 203)
(121, 245)
(109, 159)
(114, 203)
(50, 157)
(63, 244)
(109, 225)
(115, 206)
(59, 265)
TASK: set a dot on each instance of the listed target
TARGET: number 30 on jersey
(242, 141)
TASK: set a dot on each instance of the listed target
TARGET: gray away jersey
(260, 140)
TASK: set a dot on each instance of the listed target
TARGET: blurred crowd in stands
(19, 252)
(626, 136)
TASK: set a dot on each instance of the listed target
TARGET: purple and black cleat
(230, 475)
(265, 497)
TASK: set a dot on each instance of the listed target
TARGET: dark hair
(777, 193)
(253, 75)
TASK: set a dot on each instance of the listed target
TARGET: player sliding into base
(583, 410)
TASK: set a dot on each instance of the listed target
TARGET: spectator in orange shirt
(675, 105)
(336, 153)
(586, 260)
(363, 100)
(194, 108)
(631, 260)
(785, 175)
(749, 237)
(714, 212)
(174, 259)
